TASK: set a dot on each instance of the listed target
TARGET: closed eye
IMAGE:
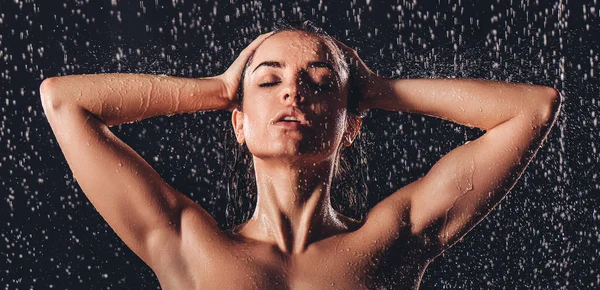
(263, 85)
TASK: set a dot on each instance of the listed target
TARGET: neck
(293, 206)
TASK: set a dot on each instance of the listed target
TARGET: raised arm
(468, 182)
(135, 201)
(150, 216)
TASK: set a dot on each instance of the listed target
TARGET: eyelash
(319, 87)
(268, 84)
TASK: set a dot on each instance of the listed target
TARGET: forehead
(292, 46)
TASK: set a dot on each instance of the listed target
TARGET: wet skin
(326, 250)
(351, 259)
(294, 240)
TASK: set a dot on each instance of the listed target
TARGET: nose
(293, 92)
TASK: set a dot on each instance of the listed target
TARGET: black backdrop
(544, 235)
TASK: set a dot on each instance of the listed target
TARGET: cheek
(256, 129)
(332, 114)
(253, 113)
(321, 103)
(329, 120)
(330, 128)
(339, 123)
(319, 108)
(253, 125)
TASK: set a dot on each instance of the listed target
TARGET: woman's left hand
(368, 83)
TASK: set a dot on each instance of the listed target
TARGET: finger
(257, 42)
(250, 49)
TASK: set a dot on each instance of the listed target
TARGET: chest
(343, 268)
(268, 272)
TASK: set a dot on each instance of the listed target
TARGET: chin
(292, 147)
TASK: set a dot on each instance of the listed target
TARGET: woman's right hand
(232, 76)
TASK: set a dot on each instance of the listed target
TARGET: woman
(295, 115)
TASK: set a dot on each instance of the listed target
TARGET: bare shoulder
(199, 230)
(199, 243)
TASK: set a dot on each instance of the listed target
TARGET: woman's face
(293, 73)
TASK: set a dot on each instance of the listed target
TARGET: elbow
(46, 87)
(552, 106)
(47, 95)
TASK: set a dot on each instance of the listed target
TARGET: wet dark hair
(348, 189)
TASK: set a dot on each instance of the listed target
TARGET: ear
(352, 129)
(237, 118)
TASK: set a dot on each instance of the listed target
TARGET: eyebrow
(313, 64)
(268, 63)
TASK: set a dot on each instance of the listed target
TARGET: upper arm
(144, 211)
(467, 183)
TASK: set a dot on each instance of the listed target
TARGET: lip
(292, 112)
(289, 125)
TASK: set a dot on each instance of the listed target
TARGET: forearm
(474, 103)
(123, 98)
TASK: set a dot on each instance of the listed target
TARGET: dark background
(544, 235)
